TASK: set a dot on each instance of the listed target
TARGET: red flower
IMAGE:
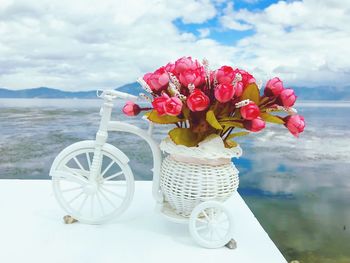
(287, 98)
(246, 77)
(239, 89)
(158, 104)
(192, 76)
(170, 67)
(158, 79)
(254, 125)
(131, 109)
(250, 111)
(273, 87)
(198, 101)
(185, 63)
(167, 105)
(295, 124)
(173, 106)
(224, 92)
(225, 75)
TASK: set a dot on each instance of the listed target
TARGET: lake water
(299, 189)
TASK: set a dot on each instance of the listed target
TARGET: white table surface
(32, 230)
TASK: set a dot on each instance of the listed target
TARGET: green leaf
(237, 134)
(271, 118)
(231, 124)
(264, 100)
(211, 119)
(229, 119)
(184, 136)
(252, 93)
(165, 119)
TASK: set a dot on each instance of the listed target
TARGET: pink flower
(273, 87)
(170, 67)
(246, 77)
(159, 102)
(254, 125)
(192, 76)
(173, 106)
(250, 111)
(185, 63)
(295, 124)
(239, 89)
(131, 109)
(287, 98)
(198, 101)
(224, 92)
(167, 105)
(158, 79)
(225, 75)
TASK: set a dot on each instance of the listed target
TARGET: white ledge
(32, 230)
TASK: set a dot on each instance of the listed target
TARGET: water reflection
(297, 188)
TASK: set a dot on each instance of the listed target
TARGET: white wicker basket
(191, 175)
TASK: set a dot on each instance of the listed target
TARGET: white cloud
(306, 42)
(93, 44)
(230, 21)
(88, 44)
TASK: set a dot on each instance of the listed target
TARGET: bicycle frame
(106, 125)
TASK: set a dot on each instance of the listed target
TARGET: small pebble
(69, 220)
(294, 261)
(232, 244)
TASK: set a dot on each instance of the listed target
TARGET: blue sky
(224, 36)
(89, 44)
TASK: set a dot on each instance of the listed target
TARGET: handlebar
(113, 94)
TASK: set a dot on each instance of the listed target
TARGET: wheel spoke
(108, 200)
(100, 203)
(71, 189)
(75, 197)
(92, 205)
(107, 168)
(201, 227)
(112, 193)
(211, 214)
(88, 160)
(113, 176)
(211, 234)
(72, 175)
(217, 233)
(83, 203)
(78, 163)
(206, 215)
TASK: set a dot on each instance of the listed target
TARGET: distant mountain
(50, 93)
(315, 93)
(322, 93)
(44, 92)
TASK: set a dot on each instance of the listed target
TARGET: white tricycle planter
(93, 182)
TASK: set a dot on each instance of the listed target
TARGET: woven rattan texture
(185, 185)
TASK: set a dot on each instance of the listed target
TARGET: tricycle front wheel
(97, 201)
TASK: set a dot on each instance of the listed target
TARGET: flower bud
(131, 109)
(254, 125)
(273, 87)
(250, 111)
(295, 124)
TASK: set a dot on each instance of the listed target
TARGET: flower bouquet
(209, 109)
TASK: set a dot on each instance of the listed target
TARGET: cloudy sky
(89, 44)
